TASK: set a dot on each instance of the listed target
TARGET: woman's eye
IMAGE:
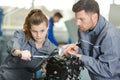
(35, 31)
(42, 30)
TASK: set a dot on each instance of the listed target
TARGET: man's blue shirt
(51, 36)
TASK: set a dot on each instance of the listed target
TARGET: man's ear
(94, 17)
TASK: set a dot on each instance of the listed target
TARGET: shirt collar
(99, 26)
(32, 43)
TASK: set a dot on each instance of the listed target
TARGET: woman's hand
(25, 55)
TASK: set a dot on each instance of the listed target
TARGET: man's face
(85, 21)
(56, 19)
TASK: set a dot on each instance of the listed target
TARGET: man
(99, 42)
(56, 17)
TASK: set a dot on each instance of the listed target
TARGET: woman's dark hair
(34, 17)
(87, 5)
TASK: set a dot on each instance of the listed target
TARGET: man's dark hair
(58, 14)
(87, 5)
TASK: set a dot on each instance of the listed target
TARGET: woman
(31, 40)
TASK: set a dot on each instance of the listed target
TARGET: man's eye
(81, 19)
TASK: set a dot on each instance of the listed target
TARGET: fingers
(70, 50)
(26, 55)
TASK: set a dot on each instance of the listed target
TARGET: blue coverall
(101, 51)
(15, 68)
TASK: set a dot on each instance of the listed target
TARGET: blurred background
(13, 13)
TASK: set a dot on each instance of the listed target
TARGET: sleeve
(16, 42)
(79, 50)
(52, 48)
(108, 62)
(51, 35)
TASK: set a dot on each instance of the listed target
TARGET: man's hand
(71, 49)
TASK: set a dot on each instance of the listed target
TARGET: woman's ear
(47, 28)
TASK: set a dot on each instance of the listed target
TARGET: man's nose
(78, 22)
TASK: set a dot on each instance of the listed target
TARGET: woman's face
(39, 32)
